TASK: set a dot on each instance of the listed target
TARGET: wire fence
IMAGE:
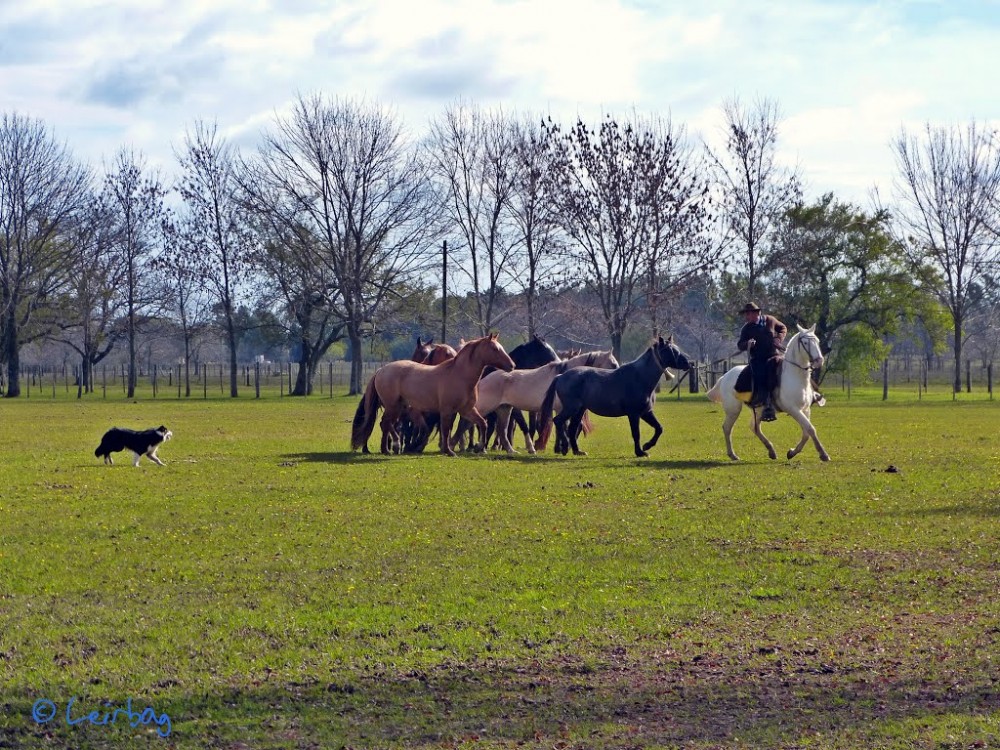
(903, 377)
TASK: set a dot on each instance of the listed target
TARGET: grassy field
(268, 588)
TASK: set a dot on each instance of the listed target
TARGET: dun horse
(525, 389)
(448, 389)
(794, 395)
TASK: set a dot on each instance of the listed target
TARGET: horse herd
(486, 386)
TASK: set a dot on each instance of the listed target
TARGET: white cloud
(847, 74)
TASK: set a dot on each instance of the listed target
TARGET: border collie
(140, 443)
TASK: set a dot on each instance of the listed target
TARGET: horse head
(667, 354)
(422, 350)
(805, 346)
(606, 360)
(533, 353)
(487, 352)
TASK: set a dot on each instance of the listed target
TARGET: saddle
(745, 386)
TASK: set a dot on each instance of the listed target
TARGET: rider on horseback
(761, 337)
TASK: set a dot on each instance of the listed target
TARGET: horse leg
(633, 423)
(727, 430)
(808, 431)
(517, 417)
(464, 426)
(447, 420)
(479, 421)
(755, 426)
(573, 430)
(559, 425)
(649, 418)
(503, 422)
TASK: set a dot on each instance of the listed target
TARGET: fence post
(885, 379)
(204, 380)
(281, 379)
(331, 379)
(989, 379)
(155, 373)
(256, 378)
(694, 377)
(968, 376)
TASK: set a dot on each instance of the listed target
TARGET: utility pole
(444, 292)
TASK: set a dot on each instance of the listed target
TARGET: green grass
(268, 588)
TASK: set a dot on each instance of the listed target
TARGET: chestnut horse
(415, 429)
(448, 389)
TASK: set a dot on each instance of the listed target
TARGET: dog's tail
(545, 426)
(364, 417)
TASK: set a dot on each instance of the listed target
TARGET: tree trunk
(357, 363)
(233, 373)
(303, 381)
(130, 393)
(616, 344)
(13, 356)
(958, 355)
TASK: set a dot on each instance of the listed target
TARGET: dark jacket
(769, 338)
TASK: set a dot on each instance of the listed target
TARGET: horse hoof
(641, 454)
(579, 453)
(733, 457)
(824, 457)
(791, 455)
(772, 455)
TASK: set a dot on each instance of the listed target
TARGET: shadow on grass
(660, 700)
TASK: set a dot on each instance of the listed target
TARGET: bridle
(802, 345)
(656, 357)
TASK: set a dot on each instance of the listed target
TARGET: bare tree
(136, 195)
(633, 204)
(186, 290)
(41, 188)
(213, 237)
(755, 189)
(472, 154)
(533, 212)
(947, 186)
(92, 324)
(344, 173)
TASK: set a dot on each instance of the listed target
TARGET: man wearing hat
(761, 337)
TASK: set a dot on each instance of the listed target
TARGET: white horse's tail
(715, 393)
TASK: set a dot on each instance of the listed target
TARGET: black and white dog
(140, 443)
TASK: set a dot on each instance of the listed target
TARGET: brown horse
(416, 428)
(448, 389)
(429, 353)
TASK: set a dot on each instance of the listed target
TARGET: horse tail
(715, 393)
(545, 428)
(586, 424)
(364, 417)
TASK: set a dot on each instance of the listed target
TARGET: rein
(804, 368)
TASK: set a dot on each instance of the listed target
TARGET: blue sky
(847, 74)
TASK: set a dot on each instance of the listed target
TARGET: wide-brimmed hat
(750, 307)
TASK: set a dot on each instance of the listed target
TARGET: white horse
(794, 394)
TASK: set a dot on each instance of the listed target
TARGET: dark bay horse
(627, 391)
(448, 389)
